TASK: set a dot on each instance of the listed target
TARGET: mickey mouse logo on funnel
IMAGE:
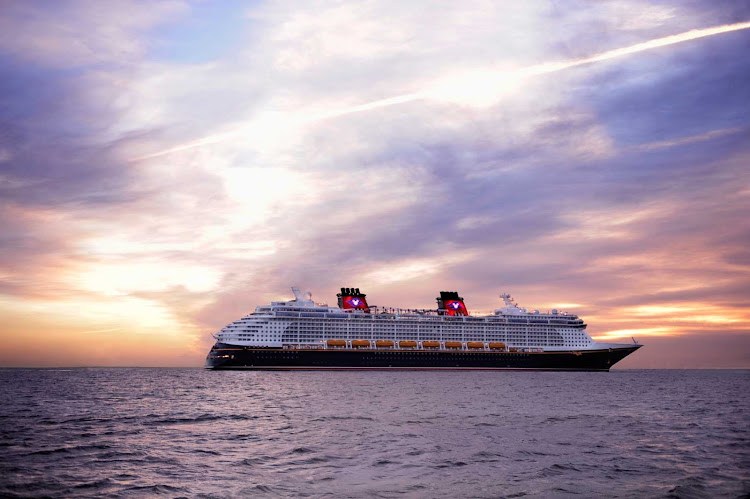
(352, 299)
(449, 303)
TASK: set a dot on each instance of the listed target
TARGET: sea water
(196, 433)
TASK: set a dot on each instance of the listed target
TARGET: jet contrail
(638, 47)
(535, 70)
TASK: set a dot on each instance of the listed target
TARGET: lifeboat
(431, 344)
(475, 345)
(383, 343)
(453, 344)
(336, 343)
(497, 346)
(360, 343)
(407, 344)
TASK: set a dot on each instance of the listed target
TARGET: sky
(166, 166)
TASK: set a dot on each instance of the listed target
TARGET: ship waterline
(300, 334)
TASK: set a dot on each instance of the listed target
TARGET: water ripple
(195, 433)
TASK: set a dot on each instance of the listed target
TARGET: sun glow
(688, 312)
(256, 192)
(479, 88)
(618, 334)
(416, 268)
(121, 278)
(560, 306)
(99, 314)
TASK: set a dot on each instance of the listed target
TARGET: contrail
(638, 47)
(241, 130)
(535, 70)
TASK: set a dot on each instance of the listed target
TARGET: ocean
(193, 433)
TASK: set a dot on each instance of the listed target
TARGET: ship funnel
(449, 303)
(352, 299)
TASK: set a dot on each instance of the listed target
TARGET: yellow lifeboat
(407, 344)
(336, 343)
(497, 346)
(476, 345)
(453, 344)
(431, 344)
(360, 343)
(383, 343)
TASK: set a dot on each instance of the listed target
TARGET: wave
(344, 418)
(384, 462)
(690, 488)
(158, 489)
(511, 435)
(255, 461)
(558, 469)
(104, 483)
(47, 452)
(203, 418)
(450, 464)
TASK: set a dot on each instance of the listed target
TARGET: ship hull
(225, 357)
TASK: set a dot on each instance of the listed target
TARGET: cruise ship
(302, 334)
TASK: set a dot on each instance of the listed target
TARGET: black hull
(223, 356)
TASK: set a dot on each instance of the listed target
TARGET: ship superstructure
(365, 331)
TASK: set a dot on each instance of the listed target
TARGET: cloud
(701, 137)
(612, 186)
(480, 88)
(82, 33)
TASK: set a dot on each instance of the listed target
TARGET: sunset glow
(157, 183)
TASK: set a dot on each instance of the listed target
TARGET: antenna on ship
(508, 300)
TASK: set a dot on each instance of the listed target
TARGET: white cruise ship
(300, 334)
